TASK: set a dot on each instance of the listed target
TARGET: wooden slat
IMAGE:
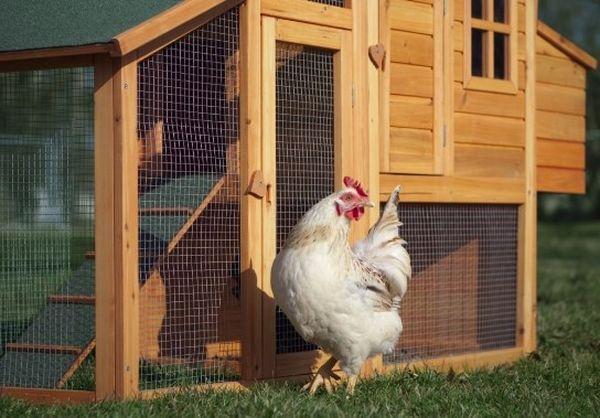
(521, 82)
(560, 180)
(384, 87)
(49, 396)
(459, 10)
(488, 161)
(560, 99)
(208, 387)
(411, 48)
(308, 12)
(458, 67)
(566, 46)
(81, 356)
(90, 255)
(560, 154)
(411, 80)
(169, 25)
(491, 130)
(552, 125)
(166, 211)
(47, 63)
(521, 17)
(543, 47)
(43, 348)
(407, 112)
(559, 71)
(126, 229)
(74, 299)
(444, 127)
(46, 53)
(308, 34)
(411, 151)
(458, 37)
(411, 16)
(104, 235)
(251, 207)
(485, 103)
(445, 189)
(521, 54)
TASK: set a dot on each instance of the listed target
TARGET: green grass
(562, 379)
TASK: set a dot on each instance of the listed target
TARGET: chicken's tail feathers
(384, 249)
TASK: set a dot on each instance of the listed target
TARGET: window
(490, 59)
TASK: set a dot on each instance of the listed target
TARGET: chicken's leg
(351, 384)
(324, 376)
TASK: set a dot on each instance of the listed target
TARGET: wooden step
(43, 348)
(75, 299)
(182, 211)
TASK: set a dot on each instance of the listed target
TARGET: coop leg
(324, 376)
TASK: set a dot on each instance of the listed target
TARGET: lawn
(562, 379)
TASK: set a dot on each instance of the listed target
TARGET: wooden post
(104, 182)
(126, 227)
(529, 211)
(251, 207)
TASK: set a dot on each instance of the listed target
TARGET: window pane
(477, 53)
(500, 55)
(500, 11)
(477, 9)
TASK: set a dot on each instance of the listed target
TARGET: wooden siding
(560, 120)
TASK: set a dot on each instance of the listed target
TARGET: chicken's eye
(347, 197)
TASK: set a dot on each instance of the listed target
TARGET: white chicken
(343, 299)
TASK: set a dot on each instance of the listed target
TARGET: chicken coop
(155, 155)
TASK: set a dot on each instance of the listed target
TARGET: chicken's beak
(368, 204)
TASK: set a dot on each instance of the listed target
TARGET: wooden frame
(487, 82)
(274, 30)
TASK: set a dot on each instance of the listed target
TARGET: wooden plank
(166, 211)
(527, 287)
(441, 104)
(169, 25)
(566, 46)
(521, 54)
(48, 53)
(47, 63)
(490, 130)
(560, 154)
(521, 17)
(446, 189)
(543, 47)
(458, 67)
(411, 16)
(408, 112)
(49, 396)
(73, 299)
(552, 125)
(411, 48)
(464, 362)
(43, 348)
(384, 86)
(488, 161)
(268, 55)
(81, 356)
(104, 232)
(486, 103)
(560, 99)
(251, 207)
(411, 80)
(203, 388)
(558, 71)
(411, 151)
(458, 37)
(521, 82)
(126, 229)
(308, 34)
(459, 10)
(308, 12)
(560, 180)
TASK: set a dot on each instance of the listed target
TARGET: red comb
(355, 184)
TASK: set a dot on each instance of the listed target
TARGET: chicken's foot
(324, 376)
(351, 384)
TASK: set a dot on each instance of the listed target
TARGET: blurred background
(578, 20)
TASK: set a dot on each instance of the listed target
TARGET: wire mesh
(46, 226)
(462, 297)
(304, 149)
(338, 3)
(189, 232)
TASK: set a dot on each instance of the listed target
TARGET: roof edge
(565, 45)
(58, 52)
(169, 25)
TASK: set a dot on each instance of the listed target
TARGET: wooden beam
(81, 356)
(126, 228)
(308, 12)
(209, 387)
(529, 265)
(566, 46)
(104, 232)
(68, 51)
(385, 39)
(166, 211)
(43, 348)
(308, 34)
(73, 299)
(251, 207)
(47, 63)
(49, 396)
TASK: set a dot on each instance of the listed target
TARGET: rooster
(344, 299)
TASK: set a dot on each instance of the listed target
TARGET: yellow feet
(324, 376)
(351, 385)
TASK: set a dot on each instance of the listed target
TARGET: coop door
(306, 122)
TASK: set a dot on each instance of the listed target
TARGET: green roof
(37, 24)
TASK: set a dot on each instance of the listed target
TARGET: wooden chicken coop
(155, 155)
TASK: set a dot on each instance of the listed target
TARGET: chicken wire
(463, 294)
(189, 220)
(304, 150)
(46, 227)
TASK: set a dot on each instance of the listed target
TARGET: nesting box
(155, 157)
